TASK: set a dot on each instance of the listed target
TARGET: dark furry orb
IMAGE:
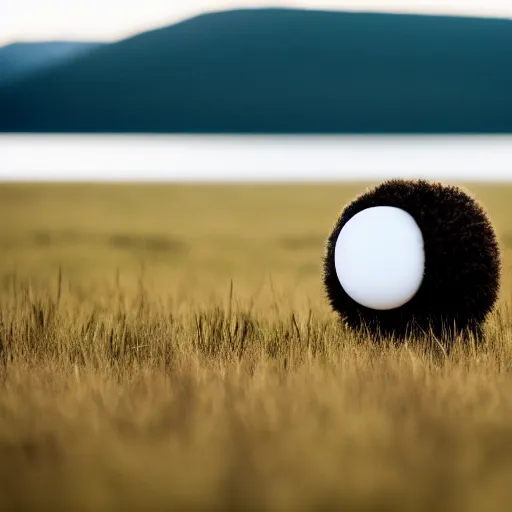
(462, 264)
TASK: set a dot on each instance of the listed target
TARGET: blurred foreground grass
(169, 347)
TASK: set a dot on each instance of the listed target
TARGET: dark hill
(281, 71)
(19, 60)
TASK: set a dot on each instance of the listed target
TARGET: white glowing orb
(380, 257)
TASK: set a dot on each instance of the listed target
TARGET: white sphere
(380, 257)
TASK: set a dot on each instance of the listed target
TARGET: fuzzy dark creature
(462, 264)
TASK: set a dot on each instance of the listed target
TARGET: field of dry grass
(170, 348)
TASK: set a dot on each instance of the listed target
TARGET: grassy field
(170, 348)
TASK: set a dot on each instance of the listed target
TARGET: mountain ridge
(281, 71)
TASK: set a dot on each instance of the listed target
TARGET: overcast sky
(107, 20)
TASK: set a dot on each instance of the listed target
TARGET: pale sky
(108, 20)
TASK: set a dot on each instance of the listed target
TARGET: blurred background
(335, 94)
(222, 90)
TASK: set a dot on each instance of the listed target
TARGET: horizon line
(450, 13)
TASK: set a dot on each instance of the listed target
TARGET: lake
(183, 158)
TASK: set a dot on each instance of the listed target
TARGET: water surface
(248, 158)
